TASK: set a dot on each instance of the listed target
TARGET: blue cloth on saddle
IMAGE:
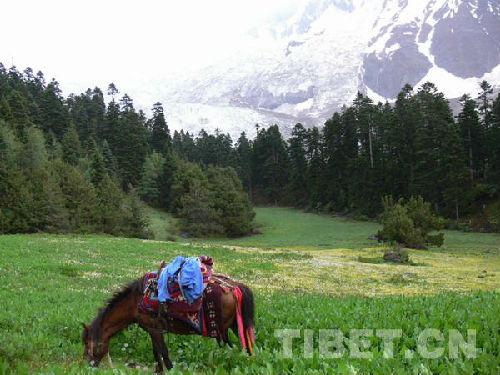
(187, 273)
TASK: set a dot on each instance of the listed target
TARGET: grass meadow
(307, 271)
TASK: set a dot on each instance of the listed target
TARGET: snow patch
(453, 86)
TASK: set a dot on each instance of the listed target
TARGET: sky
(88, 43)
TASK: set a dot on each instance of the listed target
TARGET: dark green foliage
(230, 200)
(79, 198)
(211, 203)
(397, 255)
(269, 165)
(185, 176)
(214, 149)
(410, 223)
(244, 162)
(149, 188)
(366, 151)
(165, 181)
(184, 146)
(198, 217)
(493, 213)
(160, 135)
(15, 197)
(135, 222)
(473, 137)
(71, 149)
(52, 195)
(297, 178)
(109, 160)
(53, 113)
(97, 166)
(130, 143)
(193, 202)
(493, 138)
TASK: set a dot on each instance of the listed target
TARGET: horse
(122, 310)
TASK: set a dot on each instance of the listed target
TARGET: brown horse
(123, 310)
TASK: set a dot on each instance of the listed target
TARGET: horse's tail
(246, 324)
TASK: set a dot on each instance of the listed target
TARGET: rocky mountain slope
(305, 66)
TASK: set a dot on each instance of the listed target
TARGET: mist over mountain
(305, 64)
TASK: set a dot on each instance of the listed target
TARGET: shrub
(397, 255)
(211, 203)
(230, 199)
(410, 223)
(198, 217)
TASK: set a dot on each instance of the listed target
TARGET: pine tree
(109, 207)
(440, 157)
(136, 223)
(270, 164)
(15, 196)
(184, 176)
(160, 134)
(473, 137)
(494, 145)
(484, 100)
(97, 166)
(229, 199)
(54, 115)
(47, 210)
(401, 144)
(166, 199)
(71, 149)
(197, 216)
(130, 144)
(315, 170)
(298, 173)
(109, 160)
(149, 187)
(79, 197)
(244, 162)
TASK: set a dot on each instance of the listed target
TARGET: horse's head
(94, 349)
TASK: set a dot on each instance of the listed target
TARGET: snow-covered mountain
(306, 65)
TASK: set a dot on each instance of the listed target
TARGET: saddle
(203, 316)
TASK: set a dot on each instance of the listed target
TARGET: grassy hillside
(50, 284)
(286, 227)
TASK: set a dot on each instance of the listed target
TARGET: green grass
(305, 272)
(286, 227)
(161, 224)
(294, 229)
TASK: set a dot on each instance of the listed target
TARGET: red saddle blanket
(203, 315)
(207, 320)
(178, 303)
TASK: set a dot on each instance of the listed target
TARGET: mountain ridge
(307, 66)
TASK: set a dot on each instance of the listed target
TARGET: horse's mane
(133, 287)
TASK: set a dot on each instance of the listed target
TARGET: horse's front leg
(160, 350)
(156, 353)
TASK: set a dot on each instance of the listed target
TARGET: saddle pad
(206, 320)
(149, 302)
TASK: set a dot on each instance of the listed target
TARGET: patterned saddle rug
(207, 320)
(203, 317)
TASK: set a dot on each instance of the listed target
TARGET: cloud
(93, 42)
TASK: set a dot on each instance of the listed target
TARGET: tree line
(366, 151)
(414, 147)
(79, 164)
